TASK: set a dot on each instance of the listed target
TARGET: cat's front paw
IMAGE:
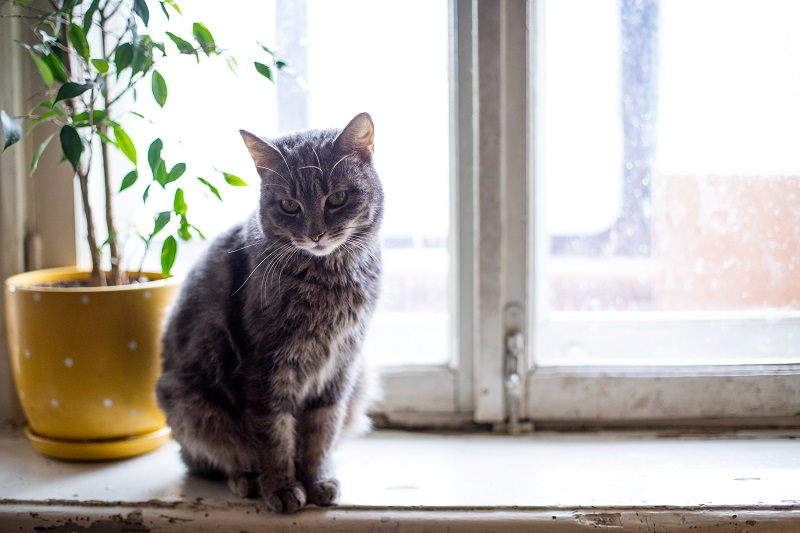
(285, 500)
(323, 492)
(244, 484)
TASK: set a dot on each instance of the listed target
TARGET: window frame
(564, 396)
(443, 395)
(496, 243)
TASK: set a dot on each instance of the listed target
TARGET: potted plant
(85, 345)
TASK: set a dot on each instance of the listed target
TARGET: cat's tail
(366, 394)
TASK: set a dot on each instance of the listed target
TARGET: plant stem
(118, 276)
(98, 276)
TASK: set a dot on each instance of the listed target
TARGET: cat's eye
(290, 206)
(337, 199)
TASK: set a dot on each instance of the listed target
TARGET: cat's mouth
(319, 248)
(324, 244)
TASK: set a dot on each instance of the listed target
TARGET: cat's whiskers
(245, 247)
(281, 176)
(256, 268)
(359, 247)
(359, 252)
(286, 262)
(282, 157)
(275, 255)
(336, 164)
(286, 252)
(318, 161)
(310, 166)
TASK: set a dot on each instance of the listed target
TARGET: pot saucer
(99, 450)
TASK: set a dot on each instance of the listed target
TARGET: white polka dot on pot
(85, 299)
(133, 345)
(146, 295)
(107, 402)
(53, 402)
(37, 296)
(68, 362)
(26, 354)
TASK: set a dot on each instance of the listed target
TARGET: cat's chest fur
(307, 326)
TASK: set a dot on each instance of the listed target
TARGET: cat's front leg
(319, 429)
(277, 480)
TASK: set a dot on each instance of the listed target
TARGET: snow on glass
(688, 186)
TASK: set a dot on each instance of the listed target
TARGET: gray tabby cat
(262, 370)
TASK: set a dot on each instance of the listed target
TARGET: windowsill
(566, 481)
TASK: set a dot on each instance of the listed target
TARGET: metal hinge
(514, 357)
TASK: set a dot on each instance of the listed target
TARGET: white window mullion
(463, 165)
(443, 395)
(501, 221)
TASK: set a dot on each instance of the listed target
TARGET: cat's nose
(316, 238)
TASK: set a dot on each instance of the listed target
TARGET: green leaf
(200, 233)
(90, 119)
(183, 230)
(267, 50)
(161, 220)
(176, 172)
(211, 188)
(264, 70)
(105, 138)
(111, 237)
(129, 179)
(280, 65)
(78, 40)
(87, 17)
(58, 47)
(154, 154)
(141, 9)
(44, 117)
(174, 5)
(164, 8)
(179, 205)
(143, 58)
(233, 65)
(236, 181)
(71, 90)
(12, 130)
(124, 143)
(168, 252)
(101, 65)
(146, 193)
(139, 115)
(160, 173)
(44, 69)
(38, 154)
(71, 145)
(56, 68)
(184, 46)
(123, 57)
(159, 88)
(204, 38)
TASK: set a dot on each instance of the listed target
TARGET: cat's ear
(265, 156)
(357, 138)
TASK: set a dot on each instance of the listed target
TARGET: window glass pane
(671, 181)
(343, 58)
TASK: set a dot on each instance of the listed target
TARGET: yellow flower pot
(86, 361)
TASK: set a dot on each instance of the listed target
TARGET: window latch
(515, 350)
